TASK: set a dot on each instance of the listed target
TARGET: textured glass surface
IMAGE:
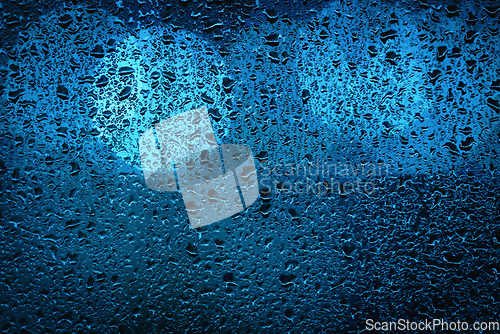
(375, 130)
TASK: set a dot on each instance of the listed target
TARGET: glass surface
(345, 169)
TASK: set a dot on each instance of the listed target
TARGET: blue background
(87, 247)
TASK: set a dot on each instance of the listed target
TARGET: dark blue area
(86, 247)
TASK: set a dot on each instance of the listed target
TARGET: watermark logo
(322, 178)
(182, 153)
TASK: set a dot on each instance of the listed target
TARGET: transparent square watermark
(181, 153)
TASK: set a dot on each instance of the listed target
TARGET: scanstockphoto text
(321, 177)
